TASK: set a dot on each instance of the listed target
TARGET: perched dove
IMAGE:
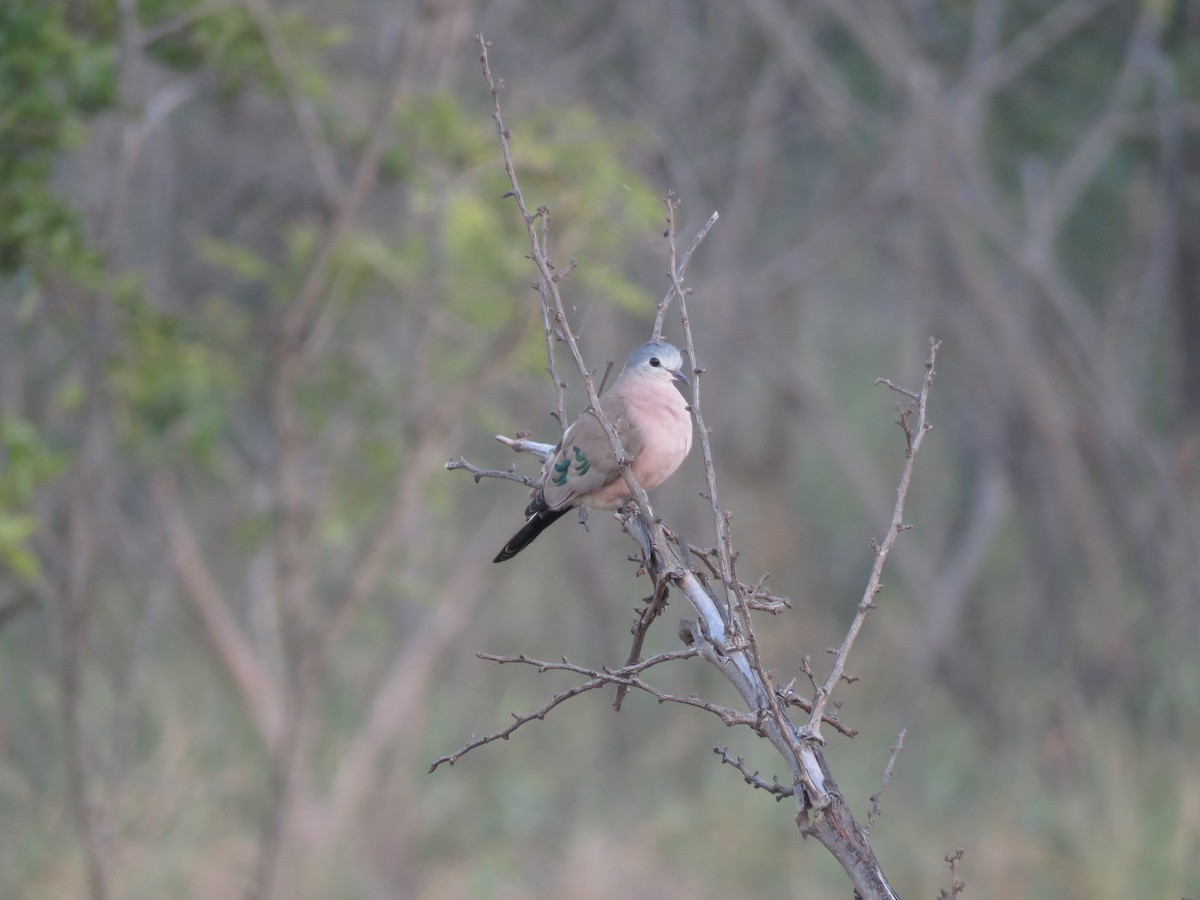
(651, 419)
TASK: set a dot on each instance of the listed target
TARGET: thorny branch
(477, 473)
(724, 547)
(756, 595)
(721, 519)
(873, 813)
(552, 334)
(673, 290)
(627, 677)
(651, 609)
(791, 698)
(957, 885)
(912, 420)
(779, 791)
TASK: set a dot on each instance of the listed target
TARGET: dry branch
(777, 790)
(957, 885)
(873, 813)
(627, 676)
(913, 422)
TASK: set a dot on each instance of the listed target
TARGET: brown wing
(584, 461)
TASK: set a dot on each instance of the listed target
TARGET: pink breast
(667, 428)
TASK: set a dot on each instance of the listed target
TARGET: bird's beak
(678, 375)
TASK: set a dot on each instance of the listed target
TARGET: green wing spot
(561, 468)
(581, 462)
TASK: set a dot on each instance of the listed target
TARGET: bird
(654, 423)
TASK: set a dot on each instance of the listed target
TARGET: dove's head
(658, 360)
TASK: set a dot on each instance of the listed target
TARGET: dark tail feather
(538, 522)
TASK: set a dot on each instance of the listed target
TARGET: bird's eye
(654, 362)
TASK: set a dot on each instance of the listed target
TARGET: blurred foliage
(223, 41)
(51, 79)
(175, 378)
(27, 464)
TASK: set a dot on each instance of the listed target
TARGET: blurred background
(258, 282)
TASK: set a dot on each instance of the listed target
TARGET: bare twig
(616, 675)
(789, 697)
(887, 382)
(477, 473)
(552, 334)
(520, 444)
(650, 611)
(957, 885)
(541, 259)
(673, 290)
(721, 518)
(914, 434)
(627, 676)
(518, 720)
(756, 595)
(779, 791)
(873, 813)
(604, 379)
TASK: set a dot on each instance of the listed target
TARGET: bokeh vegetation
(258, 281)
